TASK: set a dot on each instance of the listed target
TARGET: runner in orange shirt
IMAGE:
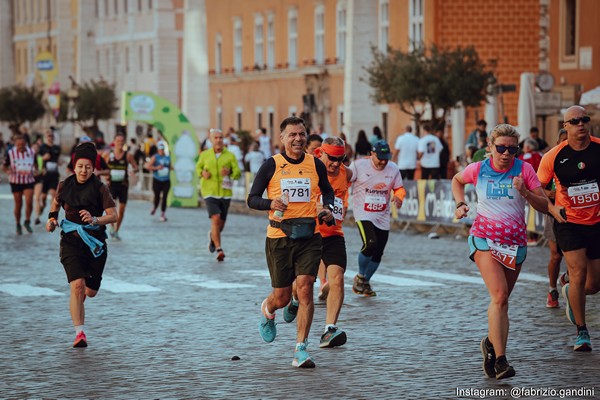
(575, 167)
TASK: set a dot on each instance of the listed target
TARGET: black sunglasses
(576, 121)
(336, 159)
(511, 149)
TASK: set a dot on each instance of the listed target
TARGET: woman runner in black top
(88, 208)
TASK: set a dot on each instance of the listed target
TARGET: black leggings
(158, 187)
(374, 240)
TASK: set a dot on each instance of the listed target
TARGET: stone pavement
(169, 318)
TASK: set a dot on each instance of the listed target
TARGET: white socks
(328, 326)
(263, 307)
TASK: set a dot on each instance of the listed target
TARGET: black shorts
(217, 206)
(575, 236)
(49, 182)
(119, 192)
(18, 187)
(288, 258)
(334, 251)
(78, 261)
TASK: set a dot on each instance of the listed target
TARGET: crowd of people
(305, 186)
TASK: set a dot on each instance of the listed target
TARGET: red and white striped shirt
(21, 166)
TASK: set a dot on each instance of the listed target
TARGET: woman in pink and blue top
(498, 237)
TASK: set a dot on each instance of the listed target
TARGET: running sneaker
(568, 311)
(503, 369)
(211, 244)
(358, 285)
(19, 229)
(80, 340)
(267, 328)
(552, 301)
(152, 211)
(302, 358)
(290, 311)
(324, 291)
(163, 218)
(563, 279)
(27, 226)
(37, 221)
(333, 337)
(116, 236)
(583, 343)
(368, 292)
(220, 254)
(111, 231)
(489, 357)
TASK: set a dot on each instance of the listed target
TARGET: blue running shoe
(333, 337)
(301, 357)
(290, 311)
(267, 329)
(568, 311)
(583, 343)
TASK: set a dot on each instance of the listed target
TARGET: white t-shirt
(255, 159)
(237, 152)
(431, 147)
(264, 144)
(372, 190)
(407, 144)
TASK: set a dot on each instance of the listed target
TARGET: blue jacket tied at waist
(95, 245)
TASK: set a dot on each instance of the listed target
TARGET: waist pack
(296, 228)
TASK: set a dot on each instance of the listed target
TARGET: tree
(436, 76)
(20, 104)
(97, 101)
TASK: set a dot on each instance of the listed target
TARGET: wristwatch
(460, 204)
(94, 220)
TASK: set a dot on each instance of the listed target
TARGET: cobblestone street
(169, 318)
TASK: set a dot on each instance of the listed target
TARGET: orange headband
(333, 150)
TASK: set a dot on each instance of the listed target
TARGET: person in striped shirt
(20, 166)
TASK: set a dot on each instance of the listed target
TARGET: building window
(116, 9)
(292, 38)
(570, 32)
(271, 121)
(107, 71)
(238, 113)
(151, 57)
(259, 115)
(127, 59)
(259, 41)
(98, 62)
(237, 45)
(320, 34)
(149, 4)
(415, 23)
(270, 41)
(141, 57)
(219, 118)
(106, 8)
(139, 5)
(340, 53)
(384, 25)
(218, 53)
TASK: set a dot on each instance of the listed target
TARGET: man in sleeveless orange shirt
(292, 180)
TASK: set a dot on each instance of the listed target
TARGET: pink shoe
(80, 340)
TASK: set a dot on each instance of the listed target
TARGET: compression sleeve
(261, 181)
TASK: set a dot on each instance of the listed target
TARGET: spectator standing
(405, 153)
(429, 151)
(362, 147)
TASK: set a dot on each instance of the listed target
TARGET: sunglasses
(336, 159)
(576, 121)
(511, 149)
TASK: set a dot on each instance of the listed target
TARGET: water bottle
(285, 198)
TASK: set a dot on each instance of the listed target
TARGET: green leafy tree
(438, 76)
(20, 104)
(97, 101)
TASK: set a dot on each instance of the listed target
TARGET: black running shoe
(503, 370)
(489, 358)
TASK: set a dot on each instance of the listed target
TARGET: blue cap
(382, 150)
(85, 139)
